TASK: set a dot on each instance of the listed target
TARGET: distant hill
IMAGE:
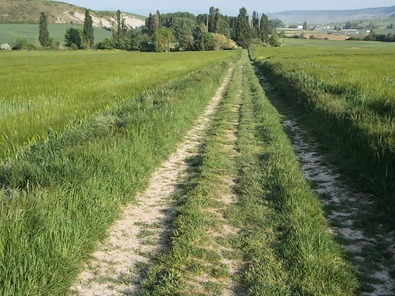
(28, 11)
(333, 16)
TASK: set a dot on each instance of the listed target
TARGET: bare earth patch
(373, 255)
(114, 268)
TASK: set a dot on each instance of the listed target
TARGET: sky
(227, 7)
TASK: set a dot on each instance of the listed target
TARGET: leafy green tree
(371, 37)
(183, 28)
(243, 31)
(156, 24)
(222, 42)
(21, 43)
(87, 33)
(305, 26)
(224, 27)
(255, 24)
(136, 40)
(73, 38)
(214, 18)
(107, 43)
(163, 39)
(153, 22)
(43, 36)
(205, 42)
(264, 29)
(276, 23)
(120, 35)
(274, 40)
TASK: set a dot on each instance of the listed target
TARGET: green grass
(283, 243)
(59, 196)
(193, 264)
(50, 90)
(9, 33)
(347, 91)
(304, 260)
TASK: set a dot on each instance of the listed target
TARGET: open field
(46, 91)
(348, 89)
(58, 197)
(177, 173)
(9, 33)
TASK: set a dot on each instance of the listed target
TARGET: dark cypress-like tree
(243, 29)
(214, 18)
(43, 35)
(264, 28)
(255, 24)
(87, 33)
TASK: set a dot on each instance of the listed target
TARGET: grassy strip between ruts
(284, 239)
(58, 197)
(274, 195)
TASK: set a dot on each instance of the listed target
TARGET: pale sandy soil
(114, 268)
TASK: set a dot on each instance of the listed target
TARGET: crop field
(9, 33)
(46, 91)
(60, 194)
(349, 89)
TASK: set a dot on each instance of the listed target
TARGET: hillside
(28, 11)
(333, 16)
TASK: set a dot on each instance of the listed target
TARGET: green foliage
(222, 42)
(274, 40)
(214, 19)
(205, 42)
(43, 36)
(163, 39)
(88, 31)
(264, 29)
(120, 33)
(21, 43)
(243, 30)
(73, 38)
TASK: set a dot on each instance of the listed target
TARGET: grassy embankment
(346, 92)
(282, 245)
(47, 91)
(58, 197)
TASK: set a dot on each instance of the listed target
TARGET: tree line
(173, 31)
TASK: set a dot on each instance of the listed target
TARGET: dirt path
(344, 208)
(114, 269)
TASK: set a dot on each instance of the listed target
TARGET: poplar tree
(43, 35)
(87, 33)
(264, 28)
(243, 30)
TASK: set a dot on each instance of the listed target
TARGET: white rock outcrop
(5, 46)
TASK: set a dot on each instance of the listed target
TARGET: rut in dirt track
(114, 268)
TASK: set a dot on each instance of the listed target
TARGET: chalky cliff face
(22, 11)
(78, 17)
